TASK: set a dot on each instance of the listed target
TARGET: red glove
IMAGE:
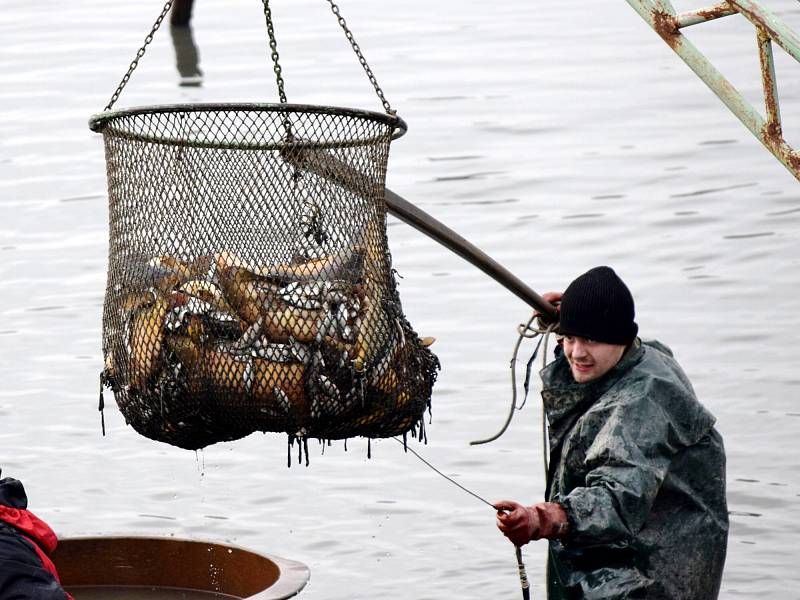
(521, 524)
(553, 298)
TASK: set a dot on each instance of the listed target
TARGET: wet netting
(250, 285)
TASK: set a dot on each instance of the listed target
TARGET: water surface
(553, 136)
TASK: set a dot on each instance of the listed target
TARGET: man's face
(588, 359)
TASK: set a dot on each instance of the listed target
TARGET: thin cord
(453, 481)
(525, 331)
(523, 575)
(545, 437)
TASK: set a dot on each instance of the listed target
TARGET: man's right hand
(520, 524)
(553, 298)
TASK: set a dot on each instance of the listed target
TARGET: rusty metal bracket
(663, 19)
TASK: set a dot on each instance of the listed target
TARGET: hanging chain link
(361, 59)
(139, 55)
(273, 45)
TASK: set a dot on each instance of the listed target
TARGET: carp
(145, 340)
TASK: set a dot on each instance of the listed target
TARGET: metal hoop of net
(250, 285)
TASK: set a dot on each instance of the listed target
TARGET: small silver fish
(302, 295)
(329, 388)
(342, 318)
(272, 352)
(248, 375)
(299, 351)
(385, 362)
(250, 335)
(325, 324)
(283, 399)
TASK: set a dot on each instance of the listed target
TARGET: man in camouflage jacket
(635, 494)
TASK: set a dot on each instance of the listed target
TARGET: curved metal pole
(438, 231)
(324, 164)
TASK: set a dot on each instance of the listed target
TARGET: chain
(139, 55)
(361, 59)
(273, 45)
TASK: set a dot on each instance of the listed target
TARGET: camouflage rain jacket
(640, 471)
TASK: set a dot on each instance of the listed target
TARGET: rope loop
(525, 331)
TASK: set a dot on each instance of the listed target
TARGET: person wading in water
(635, 491)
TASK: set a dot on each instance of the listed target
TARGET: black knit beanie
(598, 306)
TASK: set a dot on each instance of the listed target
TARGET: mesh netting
(250, 285)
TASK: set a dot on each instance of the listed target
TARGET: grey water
(556, 136)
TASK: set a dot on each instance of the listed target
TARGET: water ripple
(705, 191)
(743, 236)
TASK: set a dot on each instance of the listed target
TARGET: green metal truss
(661, 16)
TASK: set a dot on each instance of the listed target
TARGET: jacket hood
(657, 375)
(12, 493)
(13, 510)
(565, 400)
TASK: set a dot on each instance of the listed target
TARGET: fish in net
(250, 285)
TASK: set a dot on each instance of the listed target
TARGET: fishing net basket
(250, 285)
